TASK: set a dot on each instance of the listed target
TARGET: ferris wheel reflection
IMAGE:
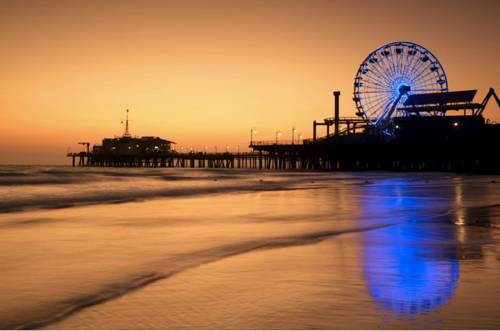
(410, 267)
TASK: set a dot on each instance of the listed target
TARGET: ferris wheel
(389, 74)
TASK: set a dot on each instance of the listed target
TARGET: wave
(30, 180)
(25, 175)
(47, 176)
(131, 194)
(176, 265)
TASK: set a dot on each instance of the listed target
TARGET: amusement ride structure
(396, 81)
(390, 74)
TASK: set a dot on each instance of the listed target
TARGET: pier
(406, 120)
(285, 157)
(459, 143)
(169, 160)
(354, 155)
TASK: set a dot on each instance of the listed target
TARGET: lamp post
(252, 132)
(293, 134)
(278, 134)
(300, 137)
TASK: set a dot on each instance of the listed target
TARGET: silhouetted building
(132, 146)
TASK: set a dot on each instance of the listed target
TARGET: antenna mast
(127, 133)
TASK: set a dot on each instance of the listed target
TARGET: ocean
(121, 248)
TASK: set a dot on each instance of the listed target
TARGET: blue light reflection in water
(411, 267)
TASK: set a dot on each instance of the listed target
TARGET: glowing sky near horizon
(202, 73)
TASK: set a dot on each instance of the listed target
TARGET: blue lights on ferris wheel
(392, 72)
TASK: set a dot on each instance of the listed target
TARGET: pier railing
(274, 142)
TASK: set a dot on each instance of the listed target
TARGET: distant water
(243, 249)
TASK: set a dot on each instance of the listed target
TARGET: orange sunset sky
(205, 72)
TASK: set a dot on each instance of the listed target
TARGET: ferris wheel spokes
(391, 73)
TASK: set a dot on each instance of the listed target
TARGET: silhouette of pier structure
(406, 120)
(170, 159)
(427, 138)
(155, 152)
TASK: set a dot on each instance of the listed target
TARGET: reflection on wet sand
(413, 267)
(406, 275)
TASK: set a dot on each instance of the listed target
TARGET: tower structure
(127, 132)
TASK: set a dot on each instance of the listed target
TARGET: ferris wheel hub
(403, 89)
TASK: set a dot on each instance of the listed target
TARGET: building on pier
(132, 146)
(127, 145)
(123, 150)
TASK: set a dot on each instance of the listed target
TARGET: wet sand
(318, 286)
(250, 250)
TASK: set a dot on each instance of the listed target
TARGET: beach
(89, 248)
